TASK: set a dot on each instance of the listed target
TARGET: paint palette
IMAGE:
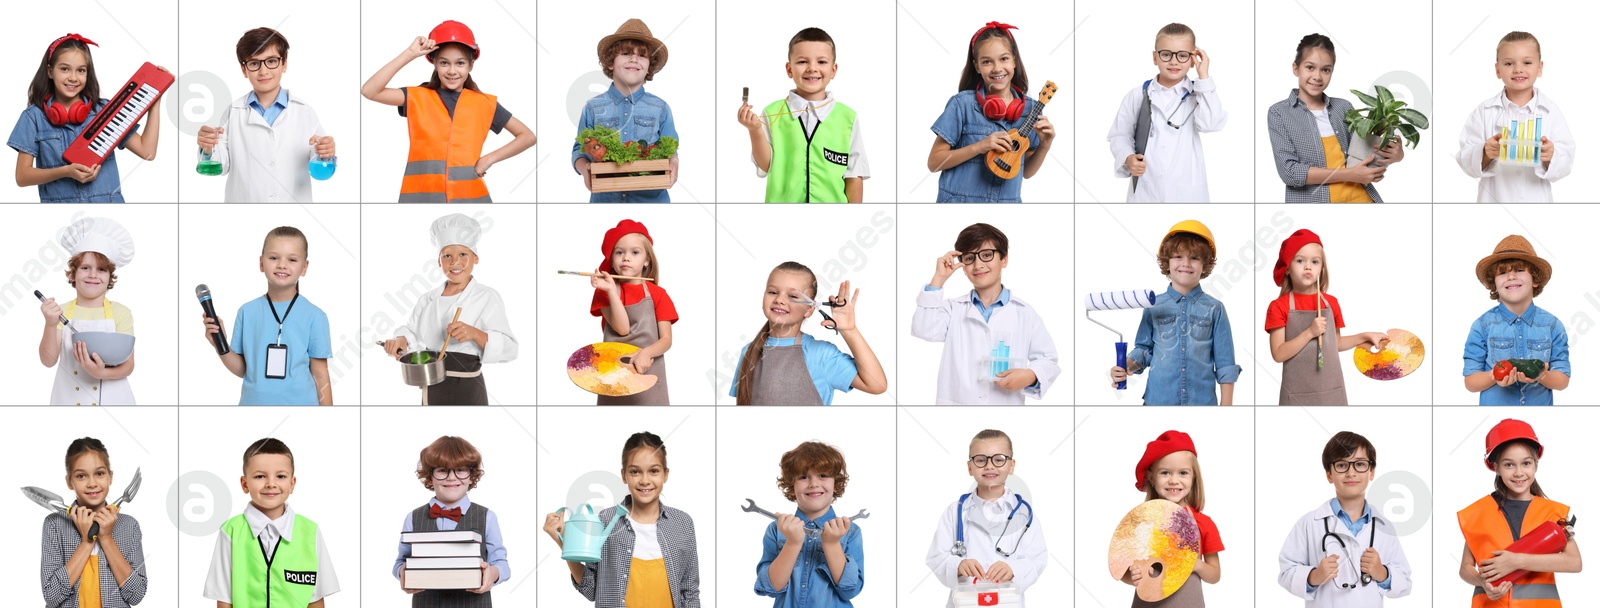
(1160, 537)
(1397, 359)
(599, 368)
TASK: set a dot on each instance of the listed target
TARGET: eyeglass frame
(1356, 464)
(451, 472)
(988, 458)
(978, 255)
(262, 63)
(1182, 56)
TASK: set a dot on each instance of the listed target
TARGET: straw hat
(634, 29)
(1513, 247)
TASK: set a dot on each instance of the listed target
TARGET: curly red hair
(812, 456)
(449, 452)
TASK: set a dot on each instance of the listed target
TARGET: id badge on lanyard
(278, 354)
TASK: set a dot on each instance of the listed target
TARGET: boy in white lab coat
(1000, 542)
(985, 322)
(266, 138)
(1518, 64)
(1172, 167)
(1334, 557)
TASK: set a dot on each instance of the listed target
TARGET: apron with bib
(73, 385)
(782, 378)
(1303, 383)
(643, 331)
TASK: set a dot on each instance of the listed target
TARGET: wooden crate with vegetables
(618, 166)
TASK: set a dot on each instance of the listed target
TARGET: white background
(569, 75)
(505, 35)
(317, 73)
(1113, 47)
(838, 243)
(392, 440)
(932, 445)
(1105, 475)
(1119, 247)
(1289, 446)
(153, 38)
(144, 286)
(571, 241)
(580, 461)
(327, 485)
(1377, 260)
(230, 266)
(142, 439)
(1461, 479)
(1464, 70)
(751, 442)
(752, 48)
(1366, 54)
(1037, 261)
(400, 244)
(933, 39)
(1473, 232)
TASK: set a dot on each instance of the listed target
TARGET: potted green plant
(1384, 120)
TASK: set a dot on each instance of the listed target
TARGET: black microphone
(219, 339)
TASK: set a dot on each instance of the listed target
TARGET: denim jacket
(963, 124)
(811, 584)
(638, 116)
(1183, 331)
(1499, 335)
(34, 135)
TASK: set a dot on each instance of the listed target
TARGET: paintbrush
(604, 274)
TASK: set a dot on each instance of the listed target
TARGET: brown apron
(1187, 596)
(782, 377)
(642, 332)
(1303, 383)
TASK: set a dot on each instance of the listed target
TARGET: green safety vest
(809, 169)
(287, 581)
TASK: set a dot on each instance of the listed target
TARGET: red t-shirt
(1210, 539)
(1278, 310)
(632, 293)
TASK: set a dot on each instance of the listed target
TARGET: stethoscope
(1192, 110)
(1366, 579)
(959, 549)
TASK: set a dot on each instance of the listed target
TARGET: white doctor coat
(1513, 183)
(1175, 169)
(1027, 562)
(1302, 550)
(480, 307)
(967, 339)
(267, 163)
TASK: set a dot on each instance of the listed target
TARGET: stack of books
(443, 560)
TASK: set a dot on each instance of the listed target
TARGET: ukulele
(1008, 164)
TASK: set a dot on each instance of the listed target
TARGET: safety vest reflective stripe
(1541, 591)
(445, 149)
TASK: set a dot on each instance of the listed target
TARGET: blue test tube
(1515, 135)
(1538, 138)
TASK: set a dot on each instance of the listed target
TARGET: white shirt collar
(283, 525)
(1006, 502)
(818, 110)
(1503, 102)
(1184, 86)
(466, 503)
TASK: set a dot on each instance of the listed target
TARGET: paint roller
(1118, 300)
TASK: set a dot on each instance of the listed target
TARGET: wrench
(752, 508)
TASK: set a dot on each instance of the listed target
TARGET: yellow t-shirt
(647, 584)
(1339, 192)
(119, 313)
(89, 585)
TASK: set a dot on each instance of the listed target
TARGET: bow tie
(453, 514)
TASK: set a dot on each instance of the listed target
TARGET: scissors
(801, 299)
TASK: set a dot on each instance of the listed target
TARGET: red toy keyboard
(119, 115)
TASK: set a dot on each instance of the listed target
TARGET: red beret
(624, 228)
(1290, 246)
(1167, 443)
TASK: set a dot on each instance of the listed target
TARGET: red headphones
(60, 115)
(997, 108)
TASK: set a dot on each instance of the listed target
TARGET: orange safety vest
(1486, 531)
(442, 164)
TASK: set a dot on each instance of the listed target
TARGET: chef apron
(643, 331)
(73, 385)
(782, 377)
(1303, 383)
(1187, 596)
(463, 383)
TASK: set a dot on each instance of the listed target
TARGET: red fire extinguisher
(1550, 537)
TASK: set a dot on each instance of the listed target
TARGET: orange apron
(442, 164)
(1486, 531)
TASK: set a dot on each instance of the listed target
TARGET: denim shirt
(1499, 335)
(35, 135)
(638, 116)
(1185, 331)
(963, 124)
(811, 585)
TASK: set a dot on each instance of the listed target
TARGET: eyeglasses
(1183, 56)
(441, 473)
(272, 63)
(986, 255)
(1361, 466)
(983, 460)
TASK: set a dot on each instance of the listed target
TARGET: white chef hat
(456, 229)
(100, 235)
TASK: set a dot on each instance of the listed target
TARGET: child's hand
(1365, 173)
(1118, 375)
(1520, 377)
(81, 519)
(51, 311)
(1016, 379)
(792, 528)
(403, 582)
(749, 118)
(1509, 380)
(844, 317)
(1046, 131)
(324, 144)
(943, 268)
(1374, 338)
(602, 281)
(999, 572)
(835, 529)
(1325, 571)
(1500, 564)
(90, 363)
(642, 364)
(672, 170)
(1372, 565)
(396, 347)
(463, 333)
(421, 46)
(211, 326)
(998, 142)
(969, 567)
(1394, 152)
(583, 169)
(552, 526)
(1202, 64)
(1135, 574)
(208, 138)
(1547, 150)
(491, 574)
(1135, 164)
(1491, 148)
(107, 518)
(1318, 327)
(1495, 592)
(82, 174)
(482, 166)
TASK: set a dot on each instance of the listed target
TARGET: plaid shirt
(1297, 146)
(60, 539)
(606, 583)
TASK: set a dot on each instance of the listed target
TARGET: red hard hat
(457, 32)
(1509, 430)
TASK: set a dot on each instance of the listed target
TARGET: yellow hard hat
(1196, 228)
